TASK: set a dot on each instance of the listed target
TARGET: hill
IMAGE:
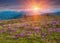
(5, 15)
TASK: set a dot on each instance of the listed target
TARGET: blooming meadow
(44, 30)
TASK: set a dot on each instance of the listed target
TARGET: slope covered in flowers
(26, 30)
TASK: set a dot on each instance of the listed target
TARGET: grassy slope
(22, 25)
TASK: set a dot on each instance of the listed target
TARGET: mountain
(6, 15)
(57, 13)
(52, 14)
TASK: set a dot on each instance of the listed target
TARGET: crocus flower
(54, 23)
(20, 35)
(36, 30)
(9, 29)
(50, 30)
(57, 29)
(43, 35)
(1, 31)
(29, 32)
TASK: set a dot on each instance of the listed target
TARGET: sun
(35, 8)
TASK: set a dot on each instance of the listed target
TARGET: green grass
(9, 37)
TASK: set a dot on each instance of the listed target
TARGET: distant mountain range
(56, 13)
(53, 14)
(6, 15)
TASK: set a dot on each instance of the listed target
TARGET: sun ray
(34, 8)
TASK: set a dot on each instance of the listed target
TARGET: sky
(50, 5)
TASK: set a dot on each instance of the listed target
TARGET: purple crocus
(20, 35)
(35, 27)
(50, 30)
(29, 32)
(43, 35)
(1, 31)
(11, 30)
(57, 29)
(36, 30)
(4, 25)
(54, 23)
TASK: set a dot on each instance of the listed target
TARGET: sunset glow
(29, 21)
(35, 8)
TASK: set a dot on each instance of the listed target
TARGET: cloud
(8, 2)
(16, 4)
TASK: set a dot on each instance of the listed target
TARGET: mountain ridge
(6, 15)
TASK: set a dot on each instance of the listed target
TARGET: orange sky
(43, 4)
(27, 4)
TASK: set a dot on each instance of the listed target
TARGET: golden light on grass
(35, 9)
